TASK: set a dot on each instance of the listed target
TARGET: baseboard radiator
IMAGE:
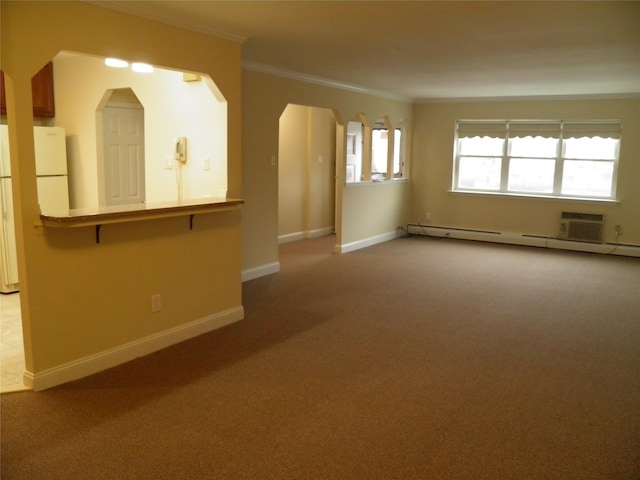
(582, 227)
(575, 240)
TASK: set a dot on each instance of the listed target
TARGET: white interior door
(123, 155)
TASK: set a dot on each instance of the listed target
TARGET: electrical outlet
(618, 229)
(156, 303)
(427, 217)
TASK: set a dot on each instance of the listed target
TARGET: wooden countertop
(139, 212)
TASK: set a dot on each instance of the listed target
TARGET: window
(549, 158)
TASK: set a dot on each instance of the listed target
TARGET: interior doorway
(306, 173)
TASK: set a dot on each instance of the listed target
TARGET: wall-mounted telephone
(180, 153)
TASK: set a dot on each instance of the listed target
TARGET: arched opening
(306, 173)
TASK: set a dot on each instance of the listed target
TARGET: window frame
(502, 129)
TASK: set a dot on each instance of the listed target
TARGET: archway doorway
(306, 173)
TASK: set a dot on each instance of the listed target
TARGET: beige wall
(172, 108)
(264, 99)
(373, 209)
(433, 137)
(78, 298)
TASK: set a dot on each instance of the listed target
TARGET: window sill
(537, 197)
(376, 182)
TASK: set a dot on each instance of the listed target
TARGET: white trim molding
(325, 82)
(147, 11)
(261, 271)
(366, 242)
(318, 232)
(531, 98)
(291, 237)
(112, 357)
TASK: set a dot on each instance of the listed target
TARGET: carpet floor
(413, 359)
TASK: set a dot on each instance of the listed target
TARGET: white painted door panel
(124, 156)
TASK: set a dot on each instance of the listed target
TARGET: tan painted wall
(79, 298)
(372, 209)
(264, 99)
(432, 165)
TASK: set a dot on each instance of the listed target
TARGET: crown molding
(325, 82)
(532, 98)
(133, 8)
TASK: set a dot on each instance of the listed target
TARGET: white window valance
(539, 128)
(591, 129)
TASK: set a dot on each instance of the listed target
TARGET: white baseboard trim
(366, 242)
(261, 271)
(527, 240)
(318, 232)
(129, 351)
(291, 237)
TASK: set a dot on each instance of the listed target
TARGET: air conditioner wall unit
(581, 227)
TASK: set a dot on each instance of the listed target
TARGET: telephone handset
(180, 153)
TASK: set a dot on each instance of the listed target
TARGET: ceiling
(428, 50)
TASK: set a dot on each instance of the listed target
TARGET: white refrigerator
(53, 192)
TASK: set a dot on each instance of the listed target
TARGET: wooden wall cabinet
(41, 91)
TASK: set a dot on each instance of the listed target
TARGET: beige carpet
(413, 359)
